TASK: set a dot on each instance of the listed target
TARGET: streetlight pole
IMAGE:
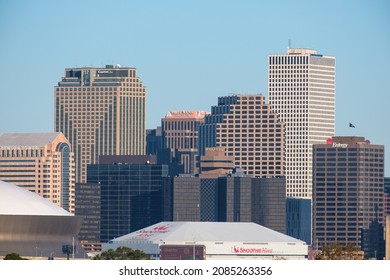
(73, 247)
(194, 250)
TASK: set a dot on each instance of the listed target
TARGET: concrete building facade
(301, 90)
(215, 163)
(87, 206)
(180, 135)
(348, 175)
(231, 198)
(102, 112)
(245, 126)
(39, 162)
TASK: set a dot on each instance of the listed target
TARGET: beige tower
(301, 89)
(41, 163)
(102, 112)
(180, 134)
(250, 133)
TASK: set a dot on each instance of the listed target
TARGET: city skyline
(189, 54)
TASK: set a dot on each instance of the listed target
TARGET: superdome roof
(19, 201)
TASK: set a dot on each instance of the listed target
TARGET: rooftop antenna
(289, 43)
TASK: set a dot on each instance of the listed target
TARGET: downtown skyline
(189, 54)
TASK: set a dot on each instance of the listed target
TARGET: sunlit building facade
(102, 112)
(301, 89)
(41, 163)
(180, 135)
(249, 131)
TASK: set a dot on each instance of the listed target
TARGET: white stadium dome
(18, 201)
(32, 226)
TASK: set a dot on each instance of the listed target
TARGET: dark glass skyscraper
(387, 198)
(132, 196)
(298, 218)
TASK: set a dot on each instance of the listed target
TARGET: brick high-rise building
(180, 135)
(102, 112)
(348, 179)
(40, 162)
(245, 126)
(301, 89)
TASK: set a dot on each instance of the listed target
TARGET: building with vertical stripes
(180, 135)
(41, 163)
(102, 112)
(348, 190)
(301, 89)
(386, 198)
(230, 198)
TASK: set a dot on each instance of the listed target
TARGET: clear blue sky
(188, 53)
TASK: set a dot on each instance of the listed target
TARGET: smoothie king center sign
(250, 250)
(146, 233)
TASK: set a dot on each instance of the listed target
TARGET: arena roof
(210, 231)
(16, 200)
(27, 139)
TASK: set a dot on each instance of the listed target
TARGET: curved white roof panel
(18, 201)
(211, 231)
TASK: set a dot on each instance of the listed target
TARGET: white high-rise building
(301, 89)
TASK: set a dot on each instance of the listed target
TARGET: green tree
(339, 252)
(122, 253)
(13, 256)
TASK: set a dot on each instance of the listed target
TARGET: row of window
(22, 153)
(288, 59)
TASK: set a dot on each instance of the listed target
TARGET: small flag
(351, 125)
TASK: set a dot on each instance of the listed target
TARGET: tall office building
(231, 198)
(153, 140)
(87, 205)
(132, 195)
(348, 190)
(102, 112)
(386, 199)
(298, 218)
(180, 135)
(249, 131)
(301, 89)
(41, 163)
